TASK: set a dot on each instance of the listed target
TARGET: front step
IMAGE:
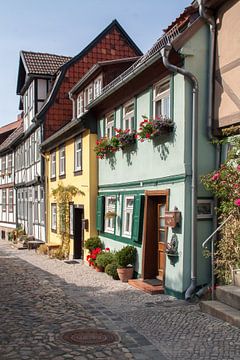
(229, 295)
(150, 289)
(221, 311)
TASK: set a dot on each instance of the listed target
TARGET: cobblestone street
(41, 299)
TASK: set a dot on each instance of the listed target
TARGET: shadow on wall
(161, 144)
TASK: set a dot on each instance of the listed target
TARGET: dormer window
(80, 105)
(128, 115)
(161, 101)
(109, 125)
(97, 87)
(88, 95)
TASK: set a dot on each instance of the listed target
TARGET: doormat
(71, 262)
(153, 282)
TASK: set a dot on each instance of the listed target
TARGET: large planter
(236, 277)
(125, 274)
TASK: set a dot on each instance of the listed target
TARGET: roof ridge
(44, 53)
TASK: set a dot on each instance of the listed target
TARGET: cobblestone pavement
(41, 299)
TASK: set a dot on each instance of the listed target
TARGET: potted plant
(126, 137)
(93, 243)
(111, 270)
(126, 258)
(105, 146)
(149, 129)
(103, 259)
(92, 257)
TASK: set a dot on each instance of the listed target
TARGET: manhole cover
(90, 337)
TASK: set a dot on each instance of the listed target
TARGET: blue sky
(65, 27)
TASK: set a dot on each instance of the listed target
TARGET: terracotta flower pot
(99, 268)
(125, 274)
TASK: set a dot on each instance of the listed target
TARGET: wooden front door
(161, 238)
(78, 233)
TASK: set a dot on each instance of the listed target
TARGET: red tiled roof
(10, 127)
(183, 18)
(13, 136)
(43, 63)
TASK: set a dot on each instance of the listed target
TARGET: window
(26, 205)
(110, 208)
(71, 208)
(88, 95)
(4, 199)
(9, 164)
(53, 164)
(10, 200)
(97, 87)
(32, 149)
(80, 105)
(128, 116)
(109, 125)
(161, 102)
(54, 217)
(36, 206)
(62, 160)
(127, 216)
(78, 154)
(3, 165)
(37, 143)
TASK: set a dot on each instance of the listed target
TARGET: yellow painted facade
(86, 182)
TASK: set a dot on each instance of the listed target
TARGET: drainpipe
(195, 90)
(209, 19)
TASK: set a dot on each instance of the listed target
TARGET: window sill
(77, 172)
(63, 176)
(54, 231)
(53, 179)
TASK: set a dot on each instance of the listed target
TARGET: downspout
(195, 90)
(209, 19)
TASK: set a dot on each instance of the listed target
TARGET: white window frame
(80, 104)
(88, 95)
(110, 222)
(161, 97)
(37, 143)
(129, 115)
(53, 164)
(4, 200)
(10, 161)
(36, 212)
(62, 159)
(109, 124)
(54, 217)
(97, 86)
(78, 154)
(10, 200)
(32, 149)
(127, 211)
(3, 169)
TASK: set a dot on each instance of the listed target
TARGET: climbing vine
(63, 195)
(225, 185)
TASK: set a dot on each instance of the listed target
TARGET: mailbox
(172, 218)
(85, 224)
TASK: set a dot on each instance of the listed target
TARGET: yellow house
(70, 160)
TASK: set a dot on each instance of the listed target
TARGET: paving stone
(52, 297)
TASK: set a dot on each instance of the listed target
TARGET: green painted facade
(165, 164)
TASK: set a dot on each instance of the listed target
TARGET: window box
(150, 129)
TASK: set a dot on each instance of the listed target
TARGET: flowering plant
(105, 146)
(126, 137)
(150, 128)
(91, 258)
(225, 185)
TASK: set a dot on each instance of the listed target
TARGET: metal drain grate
(90, 337)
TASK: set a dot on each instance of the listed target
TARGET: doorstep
(150, 289)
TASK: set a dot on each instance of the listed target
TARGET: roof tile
(43, 63)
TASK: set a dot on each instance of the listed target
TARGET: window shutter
(137, 218)
(100, 213)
